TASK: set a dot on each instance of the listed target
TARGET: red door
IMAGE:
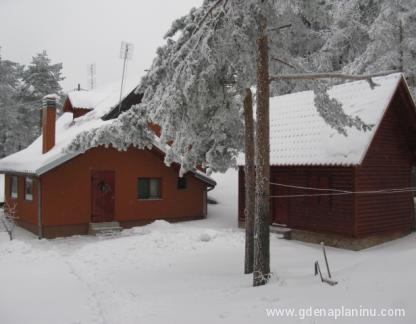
(102, 194)
(281, 204)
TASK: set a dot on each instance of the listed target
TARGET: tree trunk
(249, 181)
(262, 205)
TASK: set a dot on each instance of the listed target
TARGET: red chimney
(48, 122)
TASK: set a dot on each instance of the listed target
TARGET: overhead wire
(337, 192)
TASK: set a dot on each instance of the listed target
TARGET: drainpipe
(40, 234)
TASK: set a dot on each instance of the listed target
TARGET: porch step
(282, 232)
(104, 228)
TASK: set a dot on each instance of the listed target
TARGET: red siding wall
(67, 189)
(388, 164)
(323, 214)
(26, 210)
(66, 192)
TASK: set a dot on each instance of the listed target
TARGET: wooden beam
(329, 75)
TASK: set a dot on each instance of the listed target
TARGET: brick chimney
(48, 122)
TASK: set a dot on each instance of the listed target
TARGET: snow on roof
(32, 161)
(85, 99)
(102, 99)
(299, 135)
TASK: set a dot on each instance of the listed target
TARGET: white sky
(80, 32)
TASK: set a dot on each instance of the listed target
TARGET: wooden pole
(249, 175)
(261, 271)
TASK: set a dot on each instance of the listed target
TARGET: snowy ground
(192, 273)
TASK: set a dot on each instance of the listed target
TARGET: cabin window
(149, 188)
(28, 188)
(181, 183)
(13, 186)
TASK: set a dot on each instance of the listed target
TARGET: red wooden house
(58, 193)
(327, 186)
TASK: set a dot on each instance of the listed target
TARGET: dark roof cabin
(57, 193)
(350, 191)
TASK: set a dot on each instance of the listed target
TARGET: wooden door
(102, 194)
(280, 206)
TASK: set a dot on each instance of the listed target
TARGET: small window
(181, 183)
(28, 188)
(13, 186)
(148, 188)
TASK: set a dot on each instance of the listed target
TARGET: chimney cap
(50, 100)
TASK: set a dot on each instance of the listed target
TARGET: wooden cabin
(59, 194)
(350, 191)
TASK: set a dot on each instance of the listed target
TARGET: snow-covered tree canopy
(41, 77)
(194, 87)
(21, 92)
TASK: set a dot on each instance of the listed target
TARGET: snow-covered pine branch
(120, 134)
(195, 85)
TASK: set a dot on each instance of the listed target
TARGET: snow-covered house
(57, 193)
(362, 180)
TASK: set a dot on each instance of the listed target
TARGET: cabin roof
(102, 102)
(299, 135)
(102, 99)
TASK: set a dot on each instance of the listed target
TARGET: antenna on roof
(91, 71)
(126, 53)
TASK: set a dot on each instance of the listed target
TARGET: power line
(306, 188)
(336, 192)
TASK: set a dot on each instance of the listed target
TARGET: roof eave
(55, 163)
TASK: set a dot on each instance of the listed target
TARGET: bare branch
(279, 28)
(283, 62)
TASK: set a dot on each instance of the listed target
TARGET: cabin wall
(321, 214)
(387, 165)
(67, 191)
(25, 210)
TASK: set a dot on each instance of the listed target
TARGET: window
(148, 188)
(28, 188)
(13, 186)
(181, 183)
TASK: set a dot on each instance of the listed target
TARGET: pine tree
(39, 78)
(9, 115)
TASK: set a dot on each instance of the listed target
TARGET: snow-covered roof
(102, 101)
(85, 99)
(299, 136)
(32, 161)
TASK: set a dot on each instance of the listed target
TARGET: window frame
(14, 179)
(149, 180)
(28, 184)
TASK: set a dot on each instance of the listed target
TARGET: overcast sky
(81, 32)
